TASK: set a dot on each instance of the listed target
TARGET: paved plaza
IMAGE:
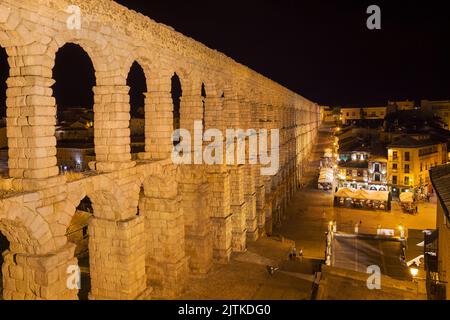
(306, 224)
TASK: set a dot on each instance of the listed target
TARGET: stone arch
(114, 227)
(4, 74)
(111, 133)
(74, 105)
(78, 234)
(148, 65)
(185, 75)
(103, 55)
(176, 92)
(107, 199)
(26, 229)
(138, 88)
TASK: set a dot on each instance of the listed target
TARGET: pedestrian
(300, 255)
(271, 270)
(294, 252)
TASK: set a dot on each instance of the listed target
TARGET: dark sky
(320, 49)
(323, 49)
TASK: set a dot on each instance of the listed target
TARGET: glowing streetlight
(414, 270)
(402, 231)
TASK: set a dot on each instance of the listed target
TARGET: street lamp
(402, 231)
(414, 270)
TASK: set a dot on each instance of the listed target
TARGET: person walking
(300, 255)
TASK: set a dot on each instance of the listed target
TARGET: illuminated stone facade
(189, 216)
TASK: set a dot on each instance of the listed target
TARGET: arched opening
(4, 74)
(177, 93)
(138, 87)
(4, 245)
(141, 195)
(203, 105)
(75, 77)
(78, 234)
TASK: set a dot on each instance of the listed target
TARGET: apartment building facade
(409, 160)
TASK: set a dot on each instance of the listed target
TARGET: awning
(362, 194)
(406, 197)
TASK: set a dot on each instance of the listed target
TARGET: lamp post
(402, 232)
(414, 270)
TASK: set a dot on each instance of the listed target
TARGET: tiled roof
(354, 164)
(440, 177)
(409, 142)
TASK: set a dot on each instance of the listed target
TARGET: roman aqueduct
(188, 217)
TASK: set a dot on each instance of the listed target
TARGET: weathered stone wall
(190, 216)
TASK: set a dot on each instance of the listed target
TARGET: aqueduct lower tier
(188, 216)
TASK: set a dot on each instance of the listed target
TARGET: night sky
(323, 49)
(320, 49)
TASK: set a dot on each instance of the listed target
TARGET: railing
(360, 229)
(436, 289)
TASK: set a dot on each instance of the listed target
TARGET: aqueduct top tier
(114, 37)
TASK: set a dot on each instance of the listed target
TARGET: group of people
(293, 255)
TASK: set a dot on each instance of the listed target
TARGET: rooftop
(354, 164)
(407, 141)
(440, 178)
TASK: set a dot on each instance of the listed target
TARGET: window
(395, 155)
(407, 156)
(394, 166)
(421, 167)
(394, 179)
(377, 167)
(406, 181)
(406, 168)
(348, 113)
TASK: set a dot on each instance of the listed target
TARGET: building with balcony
(356, 115)
(410, 158)
(362, 164)
(438, 108)
(394, 106)
(437, 243)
